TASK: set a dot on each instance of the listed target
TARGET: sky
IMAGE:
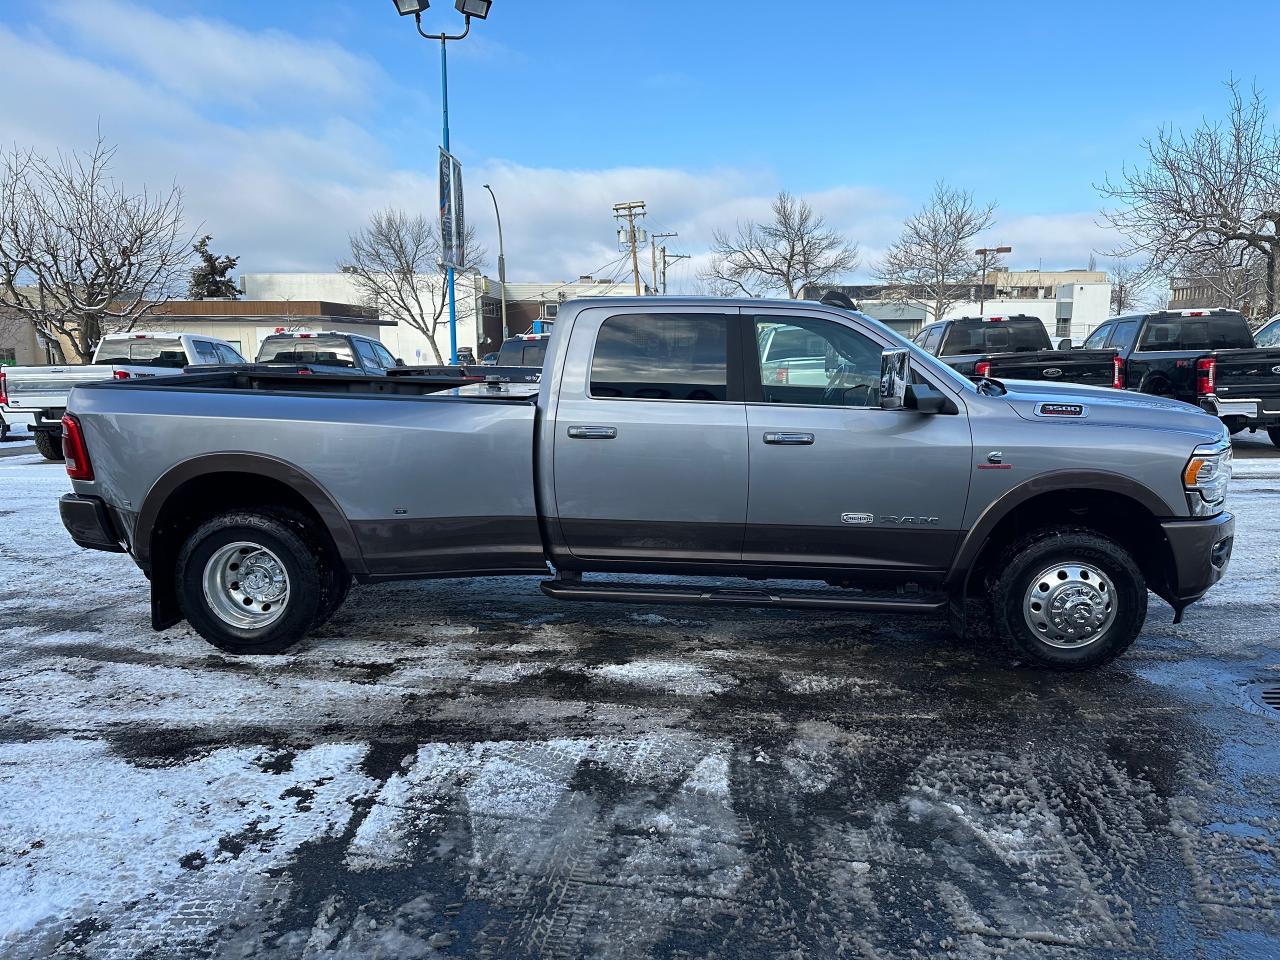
(288, 123)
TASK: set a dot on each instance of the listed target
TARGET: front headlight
(1206, 476)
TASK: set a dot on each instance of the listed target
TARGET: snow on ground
(464, 768)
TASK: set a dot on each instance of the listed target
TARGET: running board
(863, 601)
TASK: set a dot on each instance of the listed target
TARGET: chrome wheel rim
(1070, 605)
(246, 585)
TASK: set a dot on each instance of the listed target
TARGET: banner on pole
(453, 225)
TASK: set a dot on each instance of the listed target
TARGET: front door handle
(789, 439)
(592, 433)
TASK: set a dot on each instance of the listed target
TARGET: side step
(864, 601)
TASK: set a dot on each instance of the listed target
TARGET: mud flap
(165, 612)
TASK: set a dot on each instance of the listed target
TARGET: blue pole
(453, 305)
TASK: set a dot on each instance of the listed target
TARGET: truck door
(650, 438)
(835, 480)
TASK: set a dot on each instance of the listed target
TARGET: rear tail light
(782, 375)
(74, 450)
(121, 374)
(1117, 373)
(1206, 376)
(982, 368)
(4, 388)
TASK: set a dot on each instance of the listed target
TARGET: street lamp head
(1004, 249)
(408, 7)
(474, 8)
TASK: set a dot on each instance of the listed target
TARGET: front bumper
(89, 523)
(1201, 552)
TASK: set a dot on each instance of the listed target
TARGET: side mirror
(1065, 345)
(400, 361)
(923, 398)
(895, 376)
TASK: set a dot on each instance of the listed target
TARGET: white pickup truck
(37, 396)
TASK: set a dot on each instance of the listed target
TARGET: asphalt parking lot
(467, 769)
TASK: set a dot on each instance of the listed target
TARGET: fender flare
(157, 497)
(1056, 480)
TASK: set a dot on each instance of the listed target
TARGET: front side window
(365, 349)
(815, 361)
(204, 351)
(661, 357)
(227, 354)
(1269, 336)
(384, 355)
(1123, 334)
(1098, 339)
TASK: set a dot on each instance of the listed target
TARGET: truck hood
(1109, 406)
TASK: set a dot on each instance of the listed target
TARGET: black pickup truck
(1013, 348)
(1206, 357)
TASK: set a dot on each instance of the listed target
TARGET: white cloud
(297, 169)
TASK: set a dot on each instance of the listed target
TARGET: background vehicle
(1269, 334)
(658, 443)
(328, 352)
(1014, 348)
(1205, 357)
(37, 396)
(518, 361)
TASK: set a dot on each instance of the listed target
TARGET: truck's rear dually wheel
(250, 582)
(49, 444)
(1069, 598)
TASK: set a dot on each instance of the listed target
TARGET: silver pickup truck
(660, 443)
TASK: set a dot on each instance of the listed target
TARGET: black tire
(1023, 564)
(337, 581)
(305, 566)
(49, 445)
(1274, 434)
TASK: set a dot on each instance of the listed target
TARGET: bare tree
(80, 255)
(1129, 285)
(395, 263)
(932, 263)
(1232, 275)
(793, 249)
(1213, 192)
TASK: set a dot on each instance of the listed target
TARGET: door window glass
(661, 357)
(1098, 338)
(227, 354)
(384, 355)
(365, 349)
(1123, 334)
(809, 360)
(932, 340)
(204, 351)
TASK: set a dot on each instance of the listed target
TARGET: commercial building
(1070, 303)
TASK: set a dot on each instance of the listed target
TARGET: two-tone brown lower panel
(439, 546)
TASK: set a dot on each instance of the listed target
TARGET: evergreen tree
(210, 278)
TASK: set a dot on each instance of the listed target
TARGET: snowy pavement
(467, 769)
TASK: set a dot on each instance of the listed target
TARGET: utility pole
(666, 259)
(629, 211)
(653, 255)
(989, 255)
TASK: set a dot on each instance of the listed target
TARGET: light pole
(468, 8)
(502, 260)
(987, 254)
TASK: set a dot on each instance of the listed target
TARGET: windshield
(1269, 336)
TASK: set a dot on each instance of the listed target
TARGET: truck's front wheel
(249, 583)
(1069, 598)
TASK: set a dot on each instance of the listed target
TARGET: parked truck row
(719, 450)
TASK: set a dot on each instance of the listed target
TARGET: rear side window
(329, 351)
(1123, 333)
(661, 357)
(204, 351)
(1197, 333)
(932, 336)
(995, 337)
(144, 352)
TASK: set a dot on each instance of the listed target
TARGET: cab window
(1123, 334)
(814, 361)
(204, 351)
(661, 357)
(1098, 339)
(365, 349)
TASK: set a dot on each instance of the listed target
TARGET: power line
(630, 211)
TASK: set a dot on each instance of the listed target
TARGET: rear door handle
(593, 433)
(789, 439)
